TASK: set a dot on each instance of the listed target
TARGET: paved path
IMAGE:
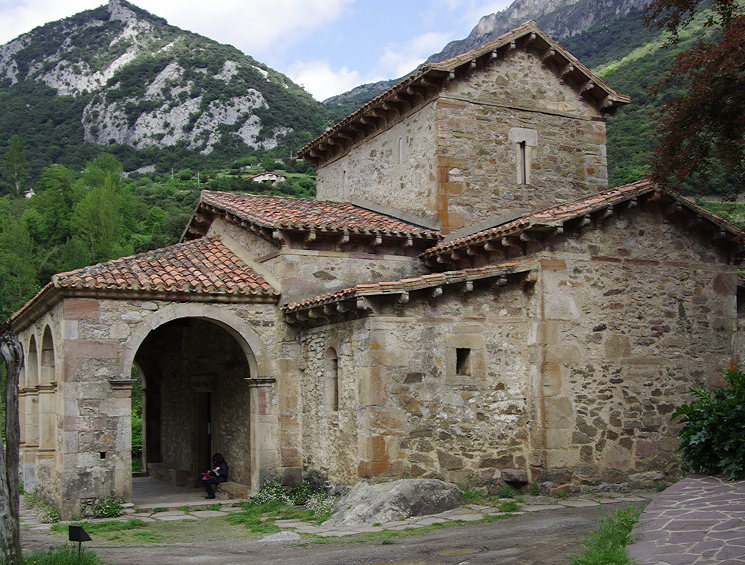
(700, 520)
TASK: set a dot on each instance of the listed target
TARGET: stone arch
(253, 346)
(231, 417)
(331, 378)
(47, 367)
(32, 363)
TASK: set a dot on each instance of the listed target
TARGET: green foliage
(713, 436)
(472, 495)
(66, 555)
(39, 505)
(110, 507)
(506, 491)
(508, 506)
(607, 545)
(534, 490)
(99, 527)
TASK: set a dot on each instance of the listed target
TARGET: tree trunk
(10, 533)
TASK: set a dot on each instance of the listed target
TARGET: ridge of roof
(277, 212)
(529, 27)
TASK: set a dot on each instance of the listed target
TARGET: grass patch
(100, 527)
(509, 506)
(472, 495)
(607, 544)
(67, 555)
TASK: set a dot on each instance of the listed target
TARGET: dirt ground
(550, 537)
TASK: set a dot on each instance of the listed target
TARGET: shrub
(110, 507)
(713, 436)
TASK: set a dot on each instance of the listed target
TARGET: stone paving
(156, 501)
(697, 521)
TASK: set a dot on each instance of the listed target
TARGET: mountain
(558, 18)
(120, 76)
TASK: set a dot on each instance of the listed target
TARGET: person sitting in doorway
(218, 474)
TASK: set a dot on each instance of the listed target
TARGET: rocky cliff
(147, 83)
(558, 18)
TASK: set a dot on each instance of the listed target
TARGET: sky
(327, 46)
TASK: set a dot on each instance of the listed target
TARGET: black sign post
(78, 534)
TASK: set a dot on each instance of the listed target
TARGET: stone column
(264, 427)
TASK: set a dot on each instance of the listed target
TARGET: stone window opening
(523, 172)
(524, 139)
(462, 361)
(400, 150)
(331, 378)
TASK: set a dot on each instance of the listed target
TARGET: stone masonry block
(559, 413)
(91, 349)
(373, 448)
(385, 421)
(372, 390)
(80, 309)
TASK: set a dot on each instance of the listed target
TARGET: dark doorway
(196, 400)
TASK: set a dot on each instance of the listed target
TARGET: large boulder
(367, 504)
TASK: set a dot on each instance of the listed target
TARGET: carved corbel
(436, 292)
(467, 287)
(403, 298)
(529, 279)
(363, 303)
(547, 55)
(566, 71)
(280, 236)
(342, 240)
(409, 242)
(310, 238)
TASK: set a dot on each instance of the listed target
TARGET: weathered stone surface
(367, 504)
(514, 475)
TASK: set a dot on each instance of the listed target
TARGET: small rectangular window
(462, 361)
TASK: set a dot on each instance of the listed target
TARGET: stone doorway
(196, 401)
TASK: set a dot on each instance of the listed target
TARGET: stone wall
(635, 315)
(415, 415)
(394, 167)
(481, 123)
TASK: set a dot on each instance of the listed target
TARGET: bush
(713, 436)
(110, 507)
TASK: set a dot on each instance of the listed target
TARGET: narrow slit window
(523, 164)
(400, 150)
(331, 370)
(462, 361)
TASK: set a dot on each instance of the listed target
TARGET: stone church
(465, 299)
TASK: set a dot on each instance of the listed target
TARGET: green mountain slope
(154, 94)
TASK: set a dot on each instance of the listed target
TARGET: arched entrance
(196, 400)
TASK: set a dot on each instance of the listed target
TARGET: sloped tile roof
(553, 216)
(305, 214)
(530, 27)
(201, 266)
(413, 283)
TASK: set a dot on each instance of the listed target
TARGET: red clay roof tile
(305, 214)
(203, 265)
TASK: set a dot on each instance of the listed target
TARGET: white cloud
(400, 59)
(318, 78)
(254, 26)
